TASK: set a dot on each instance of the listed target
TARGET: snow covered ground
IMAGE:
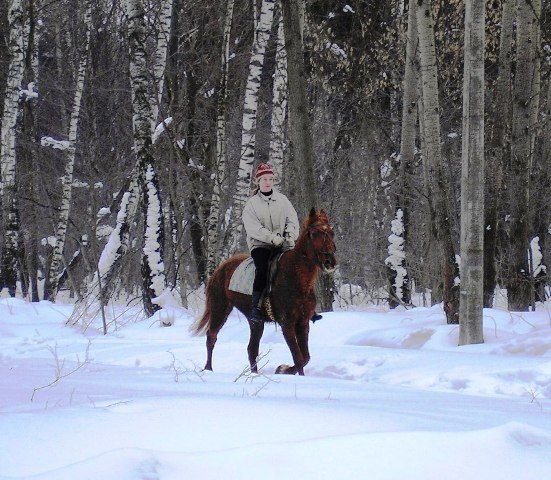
(387, 395)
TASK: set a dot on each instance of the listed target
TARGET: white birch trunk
(159, 58)
(153, 276)
(407, 152)
(433, 156)
(248, 138)
(472, 178)
(8, 275)
(279, 105)
(67, 179)
(219, 171)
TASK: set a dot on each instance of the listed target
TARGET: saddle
(242, 278)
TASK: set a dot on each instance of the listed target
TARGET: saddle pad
(242, 279)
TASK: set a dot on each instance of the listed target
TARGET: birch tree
(68, 148)
(279, 104)
(472, 178)
(399, 280)
(248, 137)
(153, 276)
(221, 150)
(10, 214)
(159, 58)
(30, 187)
(438, 187)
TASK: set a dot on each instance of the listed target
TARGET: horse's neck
(306, 267)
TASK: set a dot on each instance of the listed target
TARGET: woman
(270, 222)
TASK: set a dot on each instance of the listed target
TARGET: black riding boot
(316, 317)
(256, 315)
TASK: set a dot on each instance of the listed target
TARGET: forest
(130, 130)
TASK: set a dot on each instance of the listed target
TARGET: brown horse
(292, 296)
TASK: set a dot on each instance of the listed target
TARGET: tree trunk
(279, 104)
(69, 154)
(517, 280)
(499, 152)
(472, 178)
(10, 214)
(221, 151)
(248, 139)
(153, 276)
(30, 184)
(300, 137)
(407, 152)
(159, 58)
(439, 186)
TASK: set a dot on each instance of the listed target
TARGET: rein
(315, 228)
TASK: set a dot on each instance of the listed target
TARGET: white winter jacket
(264, 217)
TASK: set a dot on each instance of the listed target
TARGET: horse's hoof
(285, 370)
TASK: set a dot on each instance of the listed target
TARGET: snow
(536, 258)
(396, 254)
(55, 144)
(387, 395)
(29, 92)
(159, 129)
(110, 252)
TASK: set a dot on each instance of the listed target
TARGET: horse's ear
(312, 212)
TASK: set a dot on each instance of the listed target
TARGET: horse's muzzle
(329, 265)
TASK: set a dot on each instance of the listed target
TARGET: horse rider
(271, 222)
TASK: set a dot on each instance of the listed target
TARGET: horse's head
(320, 235)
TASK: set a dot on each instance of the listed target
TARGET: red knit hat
(263, 169)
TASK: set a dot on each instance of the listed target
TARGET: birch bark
(248, 138)
(407, 152)
(29, 260)
(10, 215)
(159, 58)
(153, 276)
(220, 168)
(472, 178)
(438, 186)
(279, 105)
(69, 154)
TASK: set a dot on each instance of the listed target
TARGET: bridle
(316, 228)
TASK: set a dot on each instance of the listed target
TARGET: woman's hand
(277, 240)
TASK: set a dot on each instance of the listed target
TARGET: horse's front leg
(257, 329)
(291, 338)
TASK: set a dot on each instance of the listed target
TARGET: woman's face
(266, 182)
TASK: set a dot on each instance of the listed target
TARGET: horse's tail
(215, 283)
(217, 304)
(202, 324)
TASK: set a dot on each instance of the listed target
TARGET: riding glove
(277, 240)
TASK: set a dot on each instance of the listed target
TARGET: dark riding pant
(261, 257)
